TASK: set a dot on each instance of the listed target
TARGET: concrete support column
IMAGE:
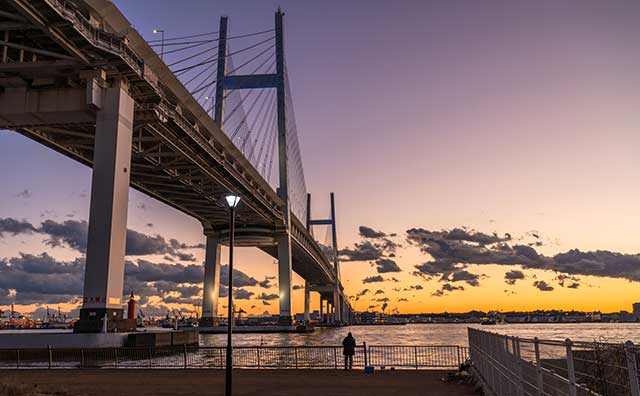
(321, 310)
(336, 307)
(104, 271)
(284, 279)
(307, 301)
(211, 282)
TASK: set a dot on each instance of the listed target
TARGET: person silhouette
(348, 350)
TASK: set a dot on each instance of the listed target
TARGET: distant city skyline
(483, 156)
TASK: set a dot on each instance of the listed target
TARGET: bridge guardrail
(256, 357)
(508, 365)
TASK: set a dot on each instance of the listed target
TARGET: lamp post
(156, 31)
(232, 202)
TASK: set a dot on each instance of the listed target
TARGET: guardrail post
(366, 355)
(17, 358)
(82, 357)
(632, 368)
(295, 353)
(149, 356)
(571, 368)
(539, 376)
(335, 357)
(415, 355)
(184, 354)
(258, 357)
(50, 355)
(519, 366)
(459, 355)
(115, 356)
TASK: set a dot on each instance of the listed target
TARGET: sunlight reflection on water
(435, 334)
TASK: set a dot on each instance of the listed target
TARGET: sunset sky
(474, 145)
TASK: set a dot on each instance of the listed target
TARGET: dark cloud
(383, 299)
(24, 194)
(15, 227)
(240, 279)
(242, 294)
(386, 265)
(268, 297)
(379, 291)
(367, 232)
(403, 299)
(74, 234)
(453, 250)
(298, 287)
(510, 277)
(373, 279)
(447, 287)
(185, 256)
(266, 283)
(542, 285)
(413, 287)
(384, 306)
(365, 251)
(563, 278)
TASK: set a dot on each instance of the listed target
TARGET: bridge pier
(284, 279)
(307, 301)
(211, 281)
(104, 270)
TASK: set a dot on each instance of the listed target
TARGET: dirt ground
(107, 382)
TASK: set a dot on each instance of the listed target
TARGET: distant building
(636, 309)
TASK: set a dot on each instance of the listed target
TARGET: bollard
(632, 367)
(539, 377)
(571, 368)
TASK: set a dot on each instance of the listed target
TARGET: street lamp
(232, 202)
(156, 31)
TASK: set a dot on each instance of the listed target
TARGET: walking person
(348, 350)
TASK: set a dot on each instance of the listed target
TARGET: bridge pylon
(230, 82)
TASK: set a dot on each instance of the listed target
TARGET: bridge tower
(276, 81)
(333, 295)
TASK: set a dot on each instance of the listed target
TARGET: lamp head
(156, 31)
(232, 200)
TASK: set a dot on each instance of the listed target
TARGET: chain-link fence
(518, 366)
(285, 357)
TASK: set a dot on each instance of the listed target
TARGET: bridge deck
(179, 155)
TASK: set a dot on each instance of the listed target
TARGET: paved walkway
(246, 382)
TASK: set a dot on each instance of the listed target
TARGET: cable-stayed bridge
(187, 120)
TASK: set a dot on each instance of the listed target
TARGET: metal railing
(274, 357)
(509, 365)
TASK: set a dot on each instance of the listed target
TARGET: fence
(518, 366)
(276, 357)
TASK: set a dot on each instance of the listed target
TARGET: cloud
(367, 232)
(413, 287)
(74, 234)
(266, 283)
(24, 194)
(298, 287)
(15, 227)
(383, 299)
(379, 291)
(384, 306)
(268, 297)
(386, 265)
(542, 285)
(510, 277)
(242, 294)
(375, 246)
(403, 299)
(447, 287)
(373, 279)
(453, 250)
(240, 279)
